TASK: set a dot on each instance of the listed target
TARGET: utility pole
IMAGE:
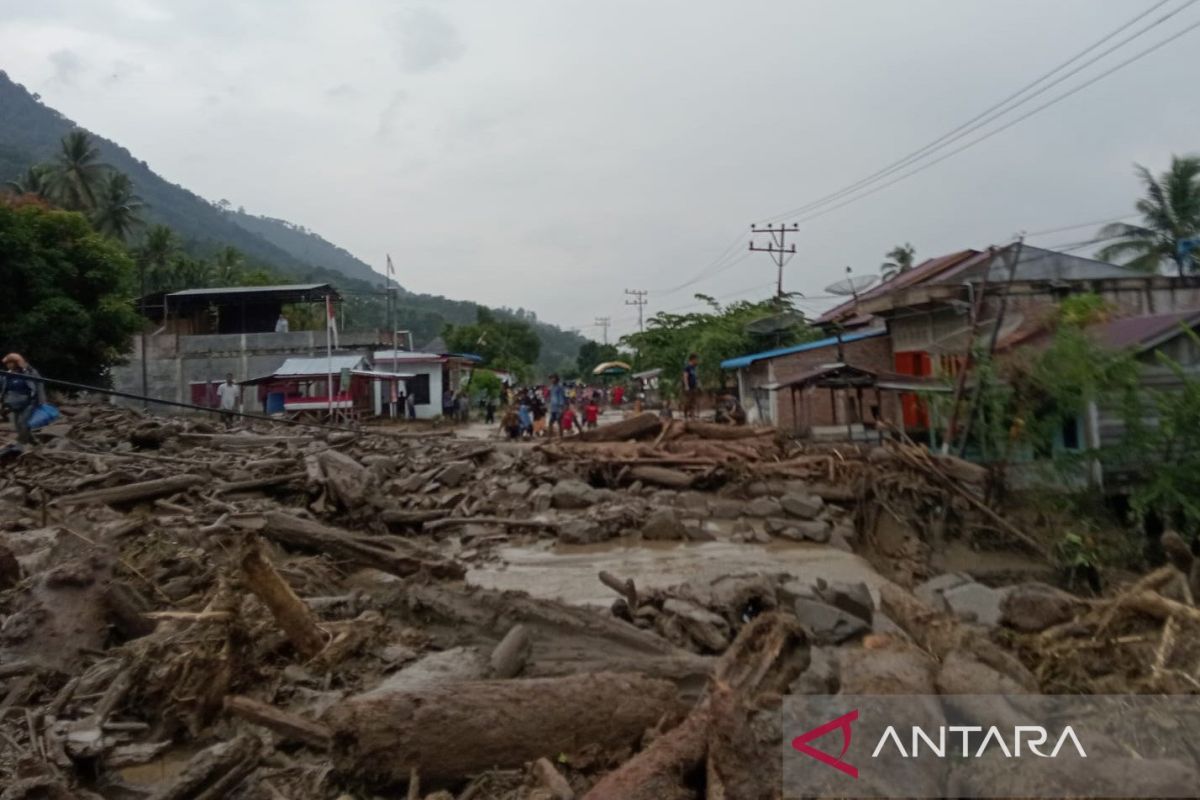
(777, 247)
(604, 322)
(639, 300)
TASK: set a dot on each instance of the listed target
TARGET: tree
(118, 210)
(77, 174)
(35, 181)
(228, 267)
(1170, 213)
(155, 255)
(509, 345)
(901, 260)
(593, 353)
(68, 290)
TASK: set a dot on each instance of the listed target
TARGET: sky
(550, 154)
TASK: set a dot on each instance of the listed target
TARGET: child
(591, 413)
(525, 419)
(568, 421)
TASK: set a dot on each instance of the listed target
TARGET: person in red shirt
(567, 425)
(591, 413)
(618, 395)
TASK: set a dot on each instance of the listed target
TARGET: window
(418, 387)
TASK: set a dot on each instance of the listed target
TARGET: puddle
(161, 769)
(568, 572)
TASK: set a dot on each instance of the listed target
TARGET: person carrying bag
(21, 393)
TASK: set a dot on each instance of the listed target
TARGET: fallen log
(214, 772)
(306, 534)
(259, 483)
(285, 723)
(712, 430)
(289, 610)
(417, 518)
(508, 522)
(133, 492)
(237, 440)
(439, 732)
(641, 426)
(661, 476)
(509, 657)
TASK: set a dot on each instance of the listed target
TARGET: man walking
(228, 394)
(21, 393)
(558, 403)
(691, 386)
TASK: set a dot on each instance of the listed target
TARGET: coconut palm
(155, 255)
(227, 266)
(35, 181)
(117, 210)
(1170, 214)
(77, 174)
(902, 256)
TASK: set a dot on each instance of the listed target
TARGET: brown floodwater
(568, 573)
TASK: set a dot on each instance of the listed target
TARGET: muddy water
(568, 572)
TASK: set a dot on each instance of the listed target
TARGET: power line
(1007, 125)
(995, 111)
(777, 248)
(1080, 225)
(604, 322)
(730, 250)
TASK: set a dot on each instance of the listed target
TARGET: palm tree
(1170, 214)
(227, 267)
(155, 255)
(77, 173)
(902, 256)
(35, 181)
(118, 209)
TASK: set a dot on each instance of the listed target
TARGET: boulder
(1035, 606)
(758, 537)
(664, 524)
(893, 669)
(757, 489)
(725, 508)
(763, 507)
(827, 624)
(582, 531)
(776, 527)
(839, 542)
(854, 598)
(802, 506)
(974, 602)
(821, 677)
(961, 673)
(540, 498)
(804, 530)
(930, 592)
(572, 495)
(454, 473)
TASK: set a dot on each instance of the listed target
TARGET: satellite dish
(851, 286)
(775, 323)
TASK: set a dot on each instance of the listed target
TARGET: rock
(664, 524)
(776, 527)
(826, 624)
(571, 494)
(853, 598)
(815, 530)
(1035, 606)
(699, 533)
(455, 473)
(758, 537)
(802, 506)
(520, 488)
(758, 489)
(821, 677)
(724, 508)
(893, 669)
(838, 542)
(930, 592)
(10, 570)
(974, 602)
(763, 507)
(961, 673)
(706, 628)
(13, 494)
(540, 498)
(846, 531)
(582, 531)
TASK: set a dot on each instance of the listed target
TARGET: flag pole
(329, 352)
(395, 349)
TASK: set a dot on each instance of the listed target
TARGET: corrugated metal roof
(744, 361)
(918, 274)
(1146, 331)
(400, 356)
(284, 287)
(318, 365)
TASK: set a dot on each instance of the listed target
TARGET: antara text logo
(943, 741)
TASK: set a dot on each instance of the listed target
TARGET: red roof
(1145, 331)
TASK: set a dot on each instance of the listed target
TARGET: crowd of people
(553, 409)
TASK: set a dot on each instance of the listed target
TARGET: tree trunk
(289, 610)
(133, 492)
(711, 430)
(662, 476)
(450, 732)
(641, 426)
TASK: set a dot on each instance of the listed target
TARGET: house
(432, 374)
(303, 386)
(195, 337)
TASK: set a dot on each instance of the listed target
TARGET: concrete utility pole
(639, 300)
(604, 322)
(777, 247)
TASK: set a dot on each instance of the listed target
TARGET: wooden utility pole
(777, 247)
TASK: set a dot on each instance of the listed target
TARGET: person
(489, 409)
(665, 412)
(400, 410)
(618, 394)
(691, 386)
(411, 401)
(567, 425)
(525, 418)
(228, 394)
(510, 423)
(281, 324)
(20, 394)
(558, 403)
(591, 413)
(448, 403)
(729, 411)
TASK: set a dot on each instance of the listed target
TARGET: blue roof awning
(742, 362)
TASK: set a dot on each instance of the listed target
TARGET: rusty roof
(922, 272)
(1144, 332)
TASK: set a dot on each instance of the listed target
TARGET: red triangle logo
(842, 723)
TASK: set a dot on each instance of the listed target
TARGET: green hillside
(30, 133)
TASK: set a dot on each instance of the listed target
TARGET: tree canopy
(593, 353)
(1170, 213)
(505, 344)
(68, 290)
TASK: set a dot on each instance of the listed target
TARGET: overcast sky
(549, 154)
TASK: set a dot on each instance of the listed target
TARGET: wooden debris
(133, 492)
(289, 610)
(288, 725)
(641, 426)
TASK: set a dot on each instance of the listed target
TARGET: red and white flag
(331, 319)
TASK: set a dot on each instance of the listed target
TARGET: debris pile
(192, 613)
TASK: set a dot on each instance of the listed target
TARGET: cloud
(342, 91)
(427, 40)
(390, 116)
(68, 66)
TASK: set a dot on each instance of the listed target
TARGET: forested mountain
(30, 133)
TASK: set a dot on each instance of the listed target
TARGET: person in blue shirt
(20, 393)
(558, 404)
(691, 386)
(525, 417)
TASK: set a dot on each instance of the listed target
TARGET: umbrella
(611, 368)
